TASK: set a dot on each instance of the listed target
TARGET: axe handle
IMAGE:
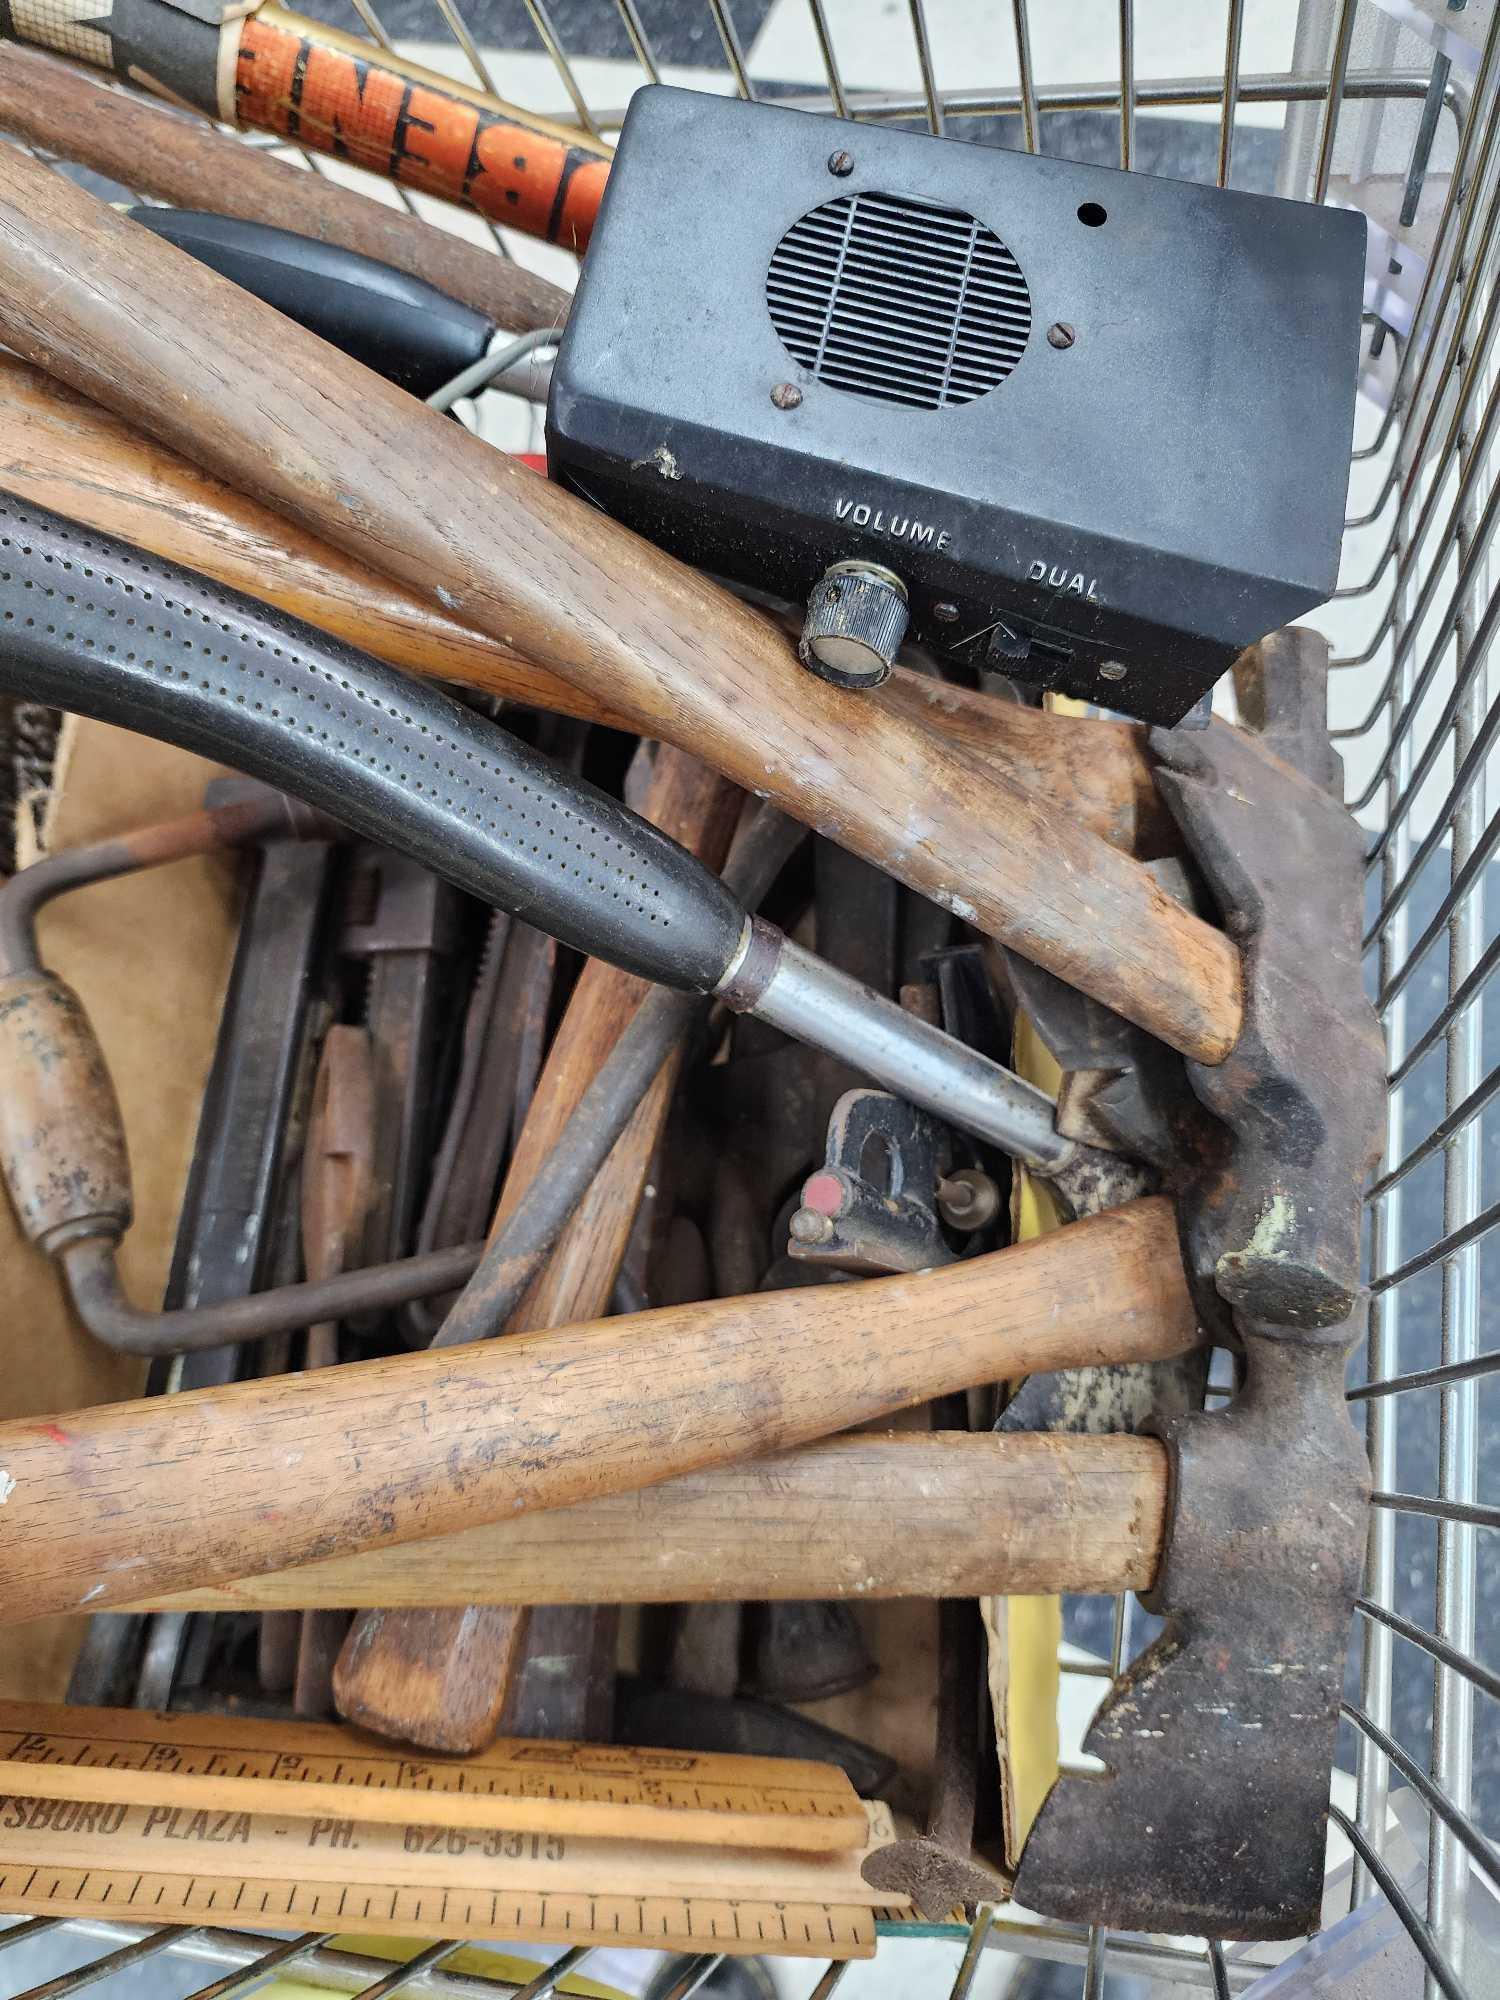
(132, 1499)
(63, 452)
(182, 159)
(439, 1676)
(905, 1514)
(210, 371)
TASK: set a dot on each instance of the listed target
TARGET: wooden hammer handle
(110, 1504)
(140, 327)
(898, 1514)
(66, 453)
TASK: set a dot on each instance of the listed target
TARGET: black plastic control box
(1097, 423)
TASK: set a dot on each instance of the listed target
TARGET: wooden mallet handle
(205, 368)
(112, 1504)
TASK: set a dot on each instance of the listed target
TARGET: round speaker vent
(899, 301)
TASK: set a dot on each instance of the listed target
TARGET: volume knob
(856, 620)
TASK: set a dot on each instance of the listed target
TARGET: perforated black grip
(90, 624)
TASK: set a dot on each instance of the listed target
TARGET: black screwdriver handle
(90, 624)
(405, 329)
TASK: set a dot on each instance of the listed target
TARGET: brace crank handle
(63, 1154)
(62, 1140)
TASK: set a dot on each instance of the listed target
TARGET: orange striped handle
(335, 94)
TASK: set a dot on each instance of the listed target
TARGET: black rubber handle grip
(402, 327)
(89, 623)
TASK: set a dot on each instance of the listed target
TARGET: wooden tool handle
(176, 158)
(436, 1675)
(63, 1155)
(109, 1504)
(67, 453)
(440, 1677)
(132, 322)
(898, 1514)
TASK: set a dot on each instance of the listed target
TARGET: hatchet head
(1210, 1817)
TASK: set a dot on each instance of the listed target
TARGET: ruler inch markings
(288, 1821)
(758, 1825)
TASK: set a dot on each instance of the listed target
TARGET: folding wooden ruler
(192, 1819)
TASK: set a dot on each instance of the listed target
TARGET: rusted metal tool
(247, 1128)
(502, 1045)
(338, 1177)
(500, 1057)
(1268, 1498)
(400, 929)
(676, 1718)
(1122, 1088)
(873, 1204)
(936, 1867)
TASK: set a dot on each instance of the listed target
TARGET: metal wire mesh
(1394, 106)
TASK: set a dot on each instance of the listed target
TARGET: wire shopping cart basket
(1391, 107)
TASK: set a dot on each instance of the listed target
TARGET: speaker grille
(899, 301)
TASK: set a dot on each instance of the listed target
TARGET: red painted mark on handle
(824, 1193)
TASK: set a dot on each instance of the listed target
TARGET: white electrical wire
(479, 374)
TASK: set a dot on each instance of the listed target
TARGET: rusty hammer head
(1217, 1742)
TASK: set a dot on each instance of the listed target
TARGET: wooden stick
(65, 453)
(175, 157)
(133, 1499)
(698, 809)
(908, 1514)
(136, 324)
(441, 1677)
